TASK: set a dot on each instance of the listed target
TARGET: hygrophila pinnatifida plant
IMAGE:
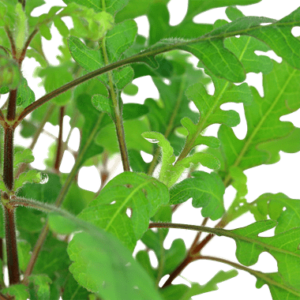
(71, 243)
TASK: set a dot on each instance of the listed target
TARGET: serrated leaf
(24, 254)
(142, 194)
(207, 191)
(72, 290)
(23, 157)
(31, 176)
(25, 95)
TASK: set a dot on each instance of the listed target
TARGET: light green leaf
(139, 193)
(94, 265)
(53, 78)
(24, 156)
(103, 104)
(31, 176)
(111, 6)
(18, 290)
(170, 172)
(279, 208)
(233, 13)
(133, 129)
(207, 191)
(25, 95)
(20, 28)
(262, 144)
(183, 292)
(41, 286)
(284, 247)
(24, 254)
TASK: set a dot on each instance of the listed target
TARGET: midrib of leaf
(201, 124)
(75, 292)
(127, 199)
(257, 128)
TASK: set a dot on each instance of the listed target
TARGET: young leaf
(139, 193)
(25, 95)
(207, 191)
(170, 172)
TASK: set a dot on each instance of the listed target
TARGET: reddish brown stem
(11, 110)
(178, 270)
(11, 246)
(8, 170)
(60, 140)
(28, 41)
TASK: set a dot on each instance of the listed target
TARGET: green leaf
(94, 265)
(24, 254)
(111, 6)
(131, 89)
(103, 104)
(183, 292)
(273, 205)
(233, 13)
(53, 78)
(10, 75)
(137, 163)
(284, 247)
(31, 176)
(142, 194)
(25, 95)
(262, 144)
(100, 272)
(207, 191)
(18, 290)
(72, 290)
(92, 124)
(133, 129)
(170, 172)
(24, 156)
(41, 286)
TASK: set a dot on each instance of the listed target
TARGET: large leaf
(207, 191)
(262, 143)
(142, 194)
(94, 267)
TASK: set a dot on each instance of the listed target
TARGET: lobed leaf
(142, 194)
(207, 191)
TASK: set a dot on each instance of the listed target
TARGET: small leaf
(41, 286)
(23, 157)
(25, 95)
(31, 176)
(207, 191)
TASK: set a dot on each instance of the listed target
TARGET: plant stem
(8, 170)
(11, 110)
(59, 150)
(118, 120)
(11, 246)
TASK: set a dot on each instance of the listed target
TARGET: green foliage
(84, 250)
